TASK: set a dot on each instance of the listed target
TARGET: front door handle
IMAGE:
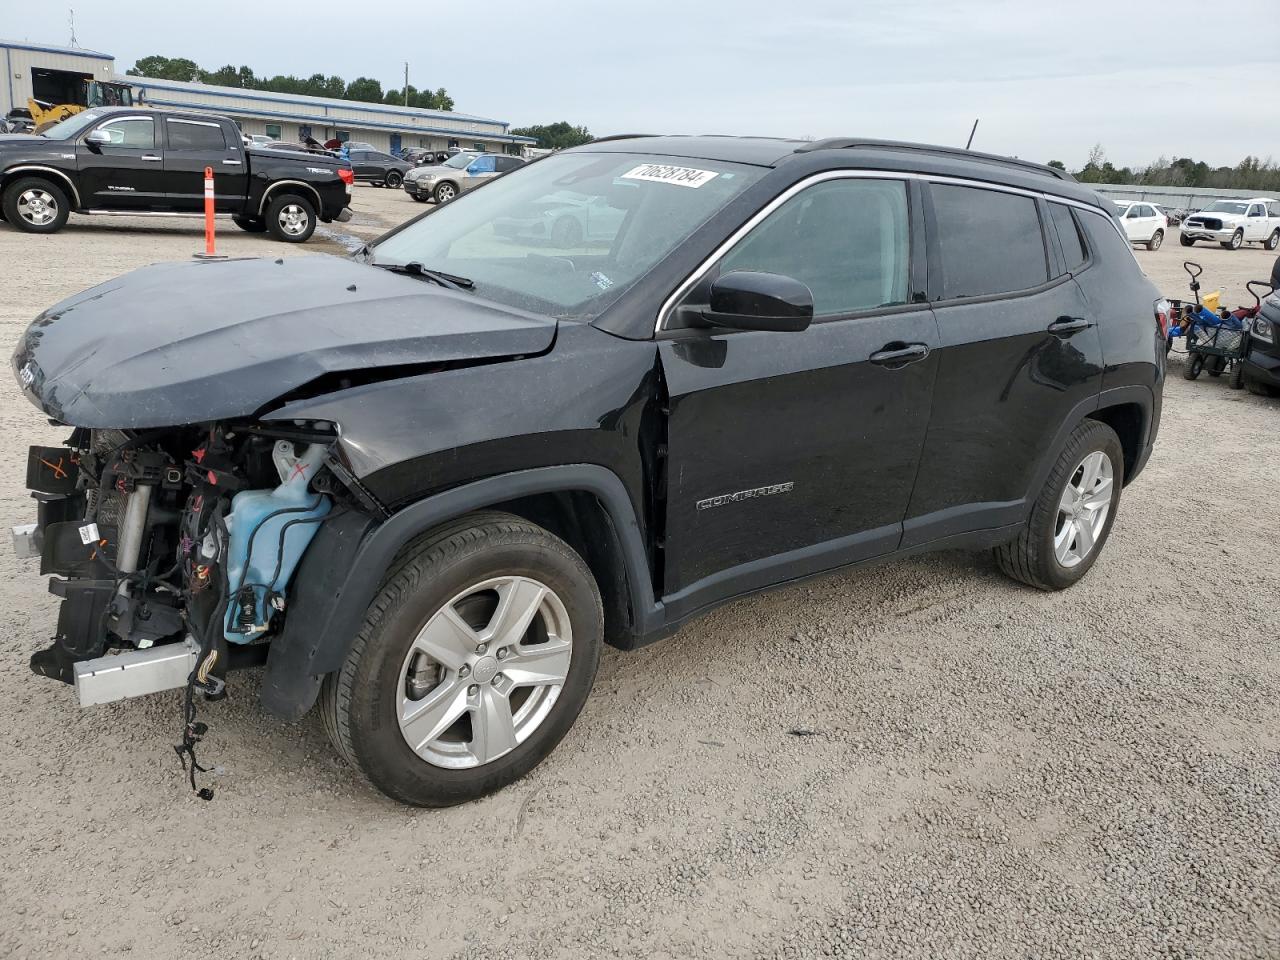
(231, 163)
(1069, 325)
(899, 354)
(151, 158)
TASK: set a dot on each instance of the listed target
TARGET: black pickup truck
(150, 162)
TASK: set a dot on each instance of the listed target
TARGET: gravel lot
(923, 760)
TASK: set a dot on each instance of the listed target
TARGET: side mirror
(746, 300)
(98, 138)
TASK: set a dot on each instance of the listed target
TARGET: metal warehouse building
(31, 68)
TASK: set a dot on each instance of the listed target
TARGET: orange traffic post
(209, 252)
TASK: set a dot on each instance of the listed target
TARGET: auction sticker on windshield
(663, 173)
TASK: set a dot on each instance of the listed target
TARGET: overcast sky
(1143, 78)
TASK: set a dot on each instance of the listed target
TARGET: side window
(1135, 212)
(507, 163)
(137, 133)
(359, 155)
(848, 240)
(1256, 210)
(186, 135)
(1073, 251)
(990, 242)
(482, 165)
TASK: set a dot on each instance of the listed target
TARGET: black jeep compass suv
(424, 485)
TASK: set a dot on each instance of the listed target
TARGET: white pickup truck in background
(1233, 223)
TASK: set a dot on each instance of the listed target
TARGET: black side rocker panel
(342, 569)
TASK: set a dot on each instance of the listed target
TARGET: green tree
(364, 89)
(556, 136)
(1057, 165)
(165, 68)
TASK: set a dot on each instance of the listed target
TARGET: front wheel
(35, 205)
(474, 660)
(291, 218)
(1186, 241)
(445, 192)
(1157, 238)
(1236, 241)
(394, 179)
(1072, 517)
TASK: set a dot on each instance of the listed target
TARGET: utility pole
(406, 83)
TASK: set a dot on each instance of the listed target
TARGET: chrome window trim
(669, 304)
(197, 123)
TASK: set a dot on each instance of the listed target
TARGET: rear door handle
(1069, 325)
(899, 354)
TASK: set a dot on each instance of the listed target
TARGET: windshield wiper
(415, 269)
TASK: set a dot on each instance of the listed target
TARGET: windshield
(459, 161)
(1225, 206)
(566, 236)
(70, 127)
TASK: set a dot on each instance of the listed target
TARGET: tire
(445, 192)
(1186, 241)
(1033, 557)
(1214, 366)
(1257, 387)
(1191, 369)
(566, 232)
(1236, 380)
(394, 179)
(291, 218)
(1273, 241)
(35, 205)
(1157, 238)
(361, 703)
(250, 224)
(1236, 241)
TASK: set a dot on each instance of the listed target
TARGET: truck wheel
(1258, 388)
(250, 224)
(1236, 241)
(1072, 517)
(35, 205)
(291, 218)
(474, 660)
(394, 179)
(1273, 241)
(1157, 238)
(1185, 240)
(445, 192)
(1191, 369)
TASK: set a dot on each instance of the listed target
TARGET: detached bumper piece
(137, 672)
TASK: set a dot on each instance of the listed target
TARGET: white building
(35, 70)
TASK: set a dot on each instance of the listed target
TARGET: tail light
(1163, 316)
(347, 175)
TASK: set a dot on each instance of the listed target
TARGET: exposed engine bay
(173, 550)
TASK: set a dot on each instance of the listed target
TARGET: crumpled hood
(179, 343)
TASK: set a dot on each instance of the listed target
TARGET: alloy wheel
(293, 219)
(484, 672)
(37, 207)
(445, 193)
(1083, 509)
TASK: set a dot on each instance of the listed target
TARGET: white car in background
(1142, 222)
(1233, 223)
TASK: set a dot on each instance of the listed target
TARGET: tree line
(1250, 173)
(362, 89)
(556, 136)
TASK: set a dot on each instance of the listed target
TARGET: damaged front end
(173, 549)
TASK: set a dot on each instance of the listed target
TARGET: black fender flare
(344, 565)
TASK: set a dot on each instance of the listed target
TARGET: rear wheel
(473, 662)
(394, 179)
(1072, 517)
(1157, 238)
(291, 218)
(1214, 366)
(35, 205)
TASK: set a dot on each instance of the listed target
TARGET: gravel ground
(923, 760)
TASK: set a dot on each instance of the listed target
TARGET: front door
(793, 453)
(192, 145)
(128, 172)
(1021, 356)
(1255, 222)
(480, 170)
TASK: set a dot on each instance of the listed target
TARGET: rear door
(127, 173)
(792, 453)
(192, 145)
(1020, 357)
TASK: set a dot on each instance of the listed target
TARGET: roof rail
(620, 136)
(850, 143)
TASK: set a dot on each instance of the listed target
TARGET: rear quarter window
(990, 242)
(1074, 253)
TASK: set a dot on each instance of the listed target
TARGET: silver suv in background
(460, 173)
